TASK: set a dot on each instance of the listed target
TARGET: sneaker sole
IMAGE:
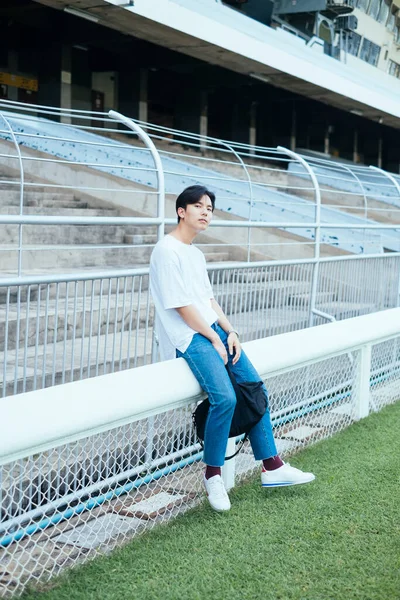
(219, 510)
(286, 484)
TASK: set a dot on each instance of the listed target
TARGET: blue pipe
(94, 502)
(90, 504)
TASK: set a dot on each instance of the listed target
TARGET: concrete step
(304, 299)
(139, 238)
(79, 289)
(52, 258)
(216, 256)
(62, 362)
(66, 317)
(62, 359)
(301, 273)
(35, 198)
(347, 310)
(142, 229)
(63, 234)
(56, 211)
(265, 322)
(72, 318)
(31, 187)
(245, 296)
(60, 200)
(44, 203)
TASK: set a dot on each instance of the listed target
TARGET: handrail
(157, 162)
(141, 392)
(115, 273)
(21, 195)
(269, 202)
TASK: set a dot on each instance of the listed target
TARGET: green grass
(337, 538)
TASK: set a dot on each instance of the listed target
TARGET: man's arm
(193, 318)
(233, 340)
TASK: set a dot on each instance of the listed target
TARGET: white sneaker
(216, 492)
(285, 475)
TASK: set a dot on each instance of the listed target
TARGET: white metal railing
(69, 503)
(266, 188)
(60, 328)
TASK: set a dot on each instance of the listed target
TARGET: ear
(181, 212)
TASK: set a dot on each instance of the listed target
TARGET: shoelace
(217, 488)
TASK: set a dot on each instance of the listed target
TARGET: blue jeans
(209, 369)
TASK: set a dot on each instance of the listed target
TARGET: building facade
(316, 75)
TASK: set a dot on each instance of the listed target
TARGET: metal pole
(250, 190)
(157, 161)
(317, 226)
(362, 391)
(228, 470)
(397, 186)
(21, 194)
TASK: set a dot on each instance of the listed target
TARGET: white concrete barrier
(37, 421)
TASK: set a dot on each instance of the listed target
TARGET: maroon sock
(212, 471)
(270, 464)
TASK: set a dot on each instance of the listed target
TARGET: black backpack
(251, 404)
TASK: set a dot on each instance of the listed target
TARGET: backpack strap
(239, 449)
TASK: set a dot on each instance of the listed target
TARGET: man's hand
(234, 346)
(220, 348)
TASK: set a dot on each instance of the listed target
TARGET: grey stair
(304, 299)
(141, 229)
(79, 289)
(52, 364)
(346, 310)
(63, 320)
(51, 201)
(216, 256)
(62, 211)
(12, 197)
(262, 294)
(64, 234)
(136, 239)
(53, 258)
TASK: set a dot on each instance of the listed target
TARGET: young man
(191, 324)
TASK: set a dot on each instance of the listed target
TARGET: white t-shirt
(178, 277)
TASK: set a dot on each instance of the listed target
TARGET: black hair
(191, 195)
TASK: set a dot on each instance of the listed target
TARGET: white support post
(228, 470)
(66, 84)
(203, 120)
(362, 391)
(143, 108)
(253, 128)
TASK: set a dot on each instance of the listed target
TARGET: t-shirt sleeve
(171, 286)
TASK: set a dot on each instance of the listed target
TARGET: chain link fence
(84, 498)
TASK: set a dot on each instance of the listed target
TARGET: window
(363, 5)
(353, 43)
(391, 24)
(384, 12)
(374, 8)
(370, 52)
(394, 69)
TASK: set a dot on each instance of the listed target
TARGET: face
(197, 216)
